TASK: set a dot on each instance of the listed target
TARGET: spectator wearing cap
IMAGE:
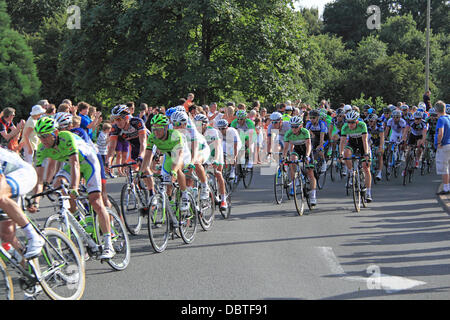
(30, 140)
(442, 143)
(8, 131)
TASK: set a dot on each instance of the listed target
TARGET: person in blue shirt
(442, 143)
(86, 122)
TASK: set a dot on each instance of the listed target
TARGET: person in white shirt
(30, 139)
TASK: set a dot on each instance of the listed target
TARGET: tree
(18, 77)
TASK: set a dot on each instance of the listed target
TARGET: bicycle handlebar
(129, 164)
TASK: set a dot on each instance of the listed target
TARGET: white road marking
(376, 280)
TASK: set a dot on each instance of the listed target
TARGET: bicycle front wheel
(247, 177)
(119, 239)
(158, 224)
(188, 221)
(278, 185)
(129, 203)
(226, 212)
(59, 267)
(6, 284)
(57, 222)
(356, 191)
(299, 199)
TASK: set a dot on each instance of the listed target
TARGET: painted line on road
(376, 280)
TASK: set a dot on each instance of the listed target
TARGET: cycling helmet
(241, 114)
(372, 117)
(314, 113)
(392, 108)
(367, 107)
(418, 115)
(179, 116)
(275, 116)
(422, 105)
(45, 125)
(396, 113)
(296, 120)
(347, 108)
(222, 123)
(352, 116)
(180, 108)
(447, 108)
(387, 110)
(120, 111)
(170, 111)
(432, 112)
(421, 109)
(404, 108)
(201, 117)
(340, 112)
(63, 119)
(160, 119)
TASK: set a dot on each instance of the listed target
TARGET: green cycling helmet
(241, 114)
(45, 125)
(160, 119)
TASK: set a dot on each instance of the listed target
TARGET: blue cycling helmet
(170, 111)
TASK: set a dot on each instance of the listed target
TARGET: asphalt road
(398, 248)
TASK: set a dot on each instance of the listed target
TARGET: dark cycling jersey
(136, 128)
(374, 133)
(316, 129)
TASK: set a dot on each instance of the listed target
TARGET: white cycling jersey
(20, 175)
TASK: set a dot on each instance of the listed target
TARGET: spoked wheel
(207, 211)
(188, 221)
(299, 198)
(119, 239)
(279, 185)
(247, 177)
(226, 212)
(158, 224)
(356, 191)
(129, 204)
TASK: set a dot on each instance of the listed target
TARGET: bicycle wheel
(320, 176)
(356, 191)
(59, 267)
(226, 212)
(247, 177)
(188, 221)
(299, 199)
(278, 185)
(235, 181)
(332, 166)
(406, 171)
(6, 284)
(158, 224)
(57, 222)
(388, 165)
(129, 204)
(120, 241)
(362, 188)
(207, 211)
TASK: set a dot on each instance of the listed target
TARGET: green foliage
(18, 77)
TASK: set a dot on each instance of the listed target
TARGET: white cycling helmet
(352, 116)
(276, 116)
(201, 117)
(222, 123)
(418, 115)
(180, 108)
(63, 119)
(347, 108)
(120, 111)
(179, 116)
(296, 121)
(396, 113)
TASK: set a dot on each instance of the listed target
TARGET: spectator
(189, 101)
(43, 103)
(193, 111)
(86, 122)
(213, 114)
(256, 105)
(91, 113)
(30, 140)
(143, 112)
(102, 141)
(50, 110)
(64, 107)
(427, 100)
(9, 133)
(229, 114)
(442, 143)
(131, 107)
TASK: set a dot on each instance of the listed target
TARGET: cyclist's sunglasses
(177, 123)
(351, 122)
(396, 117)
(312, 118)
(276, 121)
(295, 126)
(157, 128)
(44, 135)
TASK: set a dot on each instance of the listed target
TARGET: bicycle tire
(388, 165)
(129, 204)
(247, 177)
(278, 181)
(56, 221)
(406, 170)
(238, 173)
(207, 212)
(120, 241)
(331, 167)
(299, 200)
(355, 192)
(227, 212)
(54, 281)
(158, 224)
(188, 221)
(6, 283)
(362, 188)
